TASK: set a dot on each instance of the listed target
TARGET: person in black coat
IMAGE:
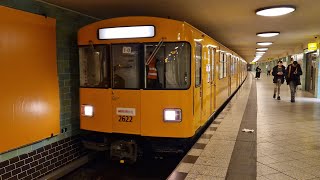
(278, 73)
(258, 72)
(293, 78)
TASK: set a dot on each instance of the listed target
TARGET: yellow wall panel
(29, 93)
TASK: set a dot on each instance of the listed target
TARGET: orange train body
(212, 74)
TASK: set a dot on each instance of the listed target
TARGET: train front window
(126, 66)
(93, 66)
(146, 66)
(168, 66)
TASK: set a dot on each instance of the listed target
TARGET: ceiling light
(264, 43)
(256, 59)
(262, 52)
(268, 34)
(262, 49)
(275, 10)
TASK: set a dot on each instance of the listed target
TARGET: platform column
(317, 89)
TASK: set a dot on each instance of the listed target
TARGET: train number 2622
(125, 119)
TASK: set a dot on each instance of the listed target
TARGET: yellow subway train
(148, 81)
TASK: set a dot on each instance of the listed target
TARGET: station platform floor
(285, 143)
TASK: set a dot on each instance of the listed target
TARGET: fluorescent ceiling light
(275, 10)
(126, 32)
(255, 60)
(262, 49)
(268, 34)
(260, 52)
(264, 43)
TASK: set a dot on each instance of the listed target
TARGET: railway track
(100, 168)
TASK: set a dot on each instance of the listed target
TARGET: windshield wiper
(155, 51)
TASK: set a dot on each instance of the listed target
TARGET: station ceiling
(231, 22)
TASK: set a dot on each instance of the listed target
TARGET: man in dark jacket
(278, 73)
(293, 78)
(258, 72)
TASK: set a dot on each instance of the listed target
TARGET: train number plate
(125, 119)
(126, 111)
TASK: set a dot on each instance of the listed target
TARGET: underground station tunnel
(155, 90)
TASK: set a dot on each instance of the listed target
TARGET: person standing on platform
(278, 73)
(293, 78)
(258, 72)
(268, 70)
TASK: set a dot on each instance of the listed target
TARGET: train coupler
(125, 151)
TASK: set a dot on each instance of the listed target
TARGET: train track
(99, 168)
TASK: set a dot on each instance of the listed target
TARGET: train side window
(233, 65)
(212, 63)
(198, 64)
(224, 65)
(94, 63)
(221, 68)
(236, 65)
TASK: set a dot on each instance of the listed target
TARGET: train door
(206, 86)
(311, 72)
(212, 80)
(198, 94)
(126, 82)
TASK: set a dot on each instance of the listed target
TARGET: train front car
(135, 84)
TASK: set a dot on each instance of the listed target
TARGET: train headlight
(87, 110)
(172, 115)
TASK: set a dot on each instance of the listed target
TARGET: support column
(317, 86)
(304, 72)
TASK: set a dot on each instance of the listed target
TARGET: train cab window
(198, 63)
(93, 66)
(125, 66)
(167, 67)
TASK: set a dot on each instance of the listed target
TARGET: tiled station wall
(42, 157)
(42, 160)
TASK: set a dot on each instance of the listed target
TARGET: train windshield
(168, 66)
(136, 66)
(126, 66)
(151, 66)
(94, 66)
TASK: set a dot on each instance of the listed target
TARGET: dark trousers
(293, 89)
(152, 83)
